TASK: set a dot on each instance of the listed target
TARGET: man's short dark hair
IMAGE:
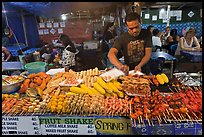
(132, 16)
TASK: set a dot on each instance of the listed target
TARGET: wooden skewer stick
(142, 121)
(176, 89)
(158, 121)
(171, 90)
(164, 119)
(183, 117)
(152, 123)
(174, 117)
(180, 116)
(189, 117)
(134, 122)
(164, 115)
(148, 120)
(167, 112)
(195, 115)
(138, 119)
(160, 118)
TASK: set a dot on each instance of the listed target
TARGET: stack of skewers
(182, 105)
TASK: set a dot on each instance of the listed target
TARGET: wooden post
(24, 27)
(168, 15)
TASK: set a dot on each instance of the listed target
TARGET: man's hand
(137, 68)
(125, 69)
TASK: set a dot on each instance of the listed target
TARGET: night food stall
(98, 102)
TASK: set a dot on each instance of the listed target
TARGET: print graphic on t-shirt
(135, 50)
(68, 58)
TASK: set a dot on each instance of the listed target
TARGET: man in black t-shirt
(136, 46)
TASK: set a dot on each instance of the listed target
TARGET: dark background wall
(185, 17)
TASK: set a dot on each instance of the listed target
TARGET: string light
(63, 17)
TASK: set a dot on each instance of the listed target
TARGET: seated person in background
(167, 32)
(188, 42)
(200, 42)
(150, 28)
(109, 36)
(48, 49)
(6, 35)
(172, 39)
(68, 55)
(156, 40)
(6, 55)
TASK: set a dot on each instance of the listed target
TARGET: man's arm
(112, 55)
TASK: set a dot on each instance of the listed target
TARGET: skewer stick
(195, 115)
(179, 119)
(176, 89)
(180, 116)
(158, 121)
(134, 122)
(142, 121)
(164, 119)
(167, 112)
(160, 118)
(148, 120)
(138, 119)
(174, 117)
(183, 117)
(171, 90)
(152, 123)
(189, 117)
(164, 115)
(167, 116)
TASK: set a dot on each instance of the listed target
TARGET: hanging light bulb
(63, 17)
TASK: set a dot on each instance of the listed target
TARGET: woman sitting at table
(189, 42)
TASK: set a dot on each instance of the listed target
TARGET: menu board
(52, 125)
(20, 125)
(67, 126)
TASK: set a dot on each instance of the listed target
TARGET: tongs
(23, 74)
(6, 81)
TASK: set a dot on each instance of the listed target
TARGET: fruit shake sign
(84, 126)
(67, 126)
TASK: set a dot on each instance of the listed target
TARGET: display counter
(102, 105)
(91, 125)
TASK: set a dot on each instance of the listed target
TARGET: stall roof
(55, 9)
